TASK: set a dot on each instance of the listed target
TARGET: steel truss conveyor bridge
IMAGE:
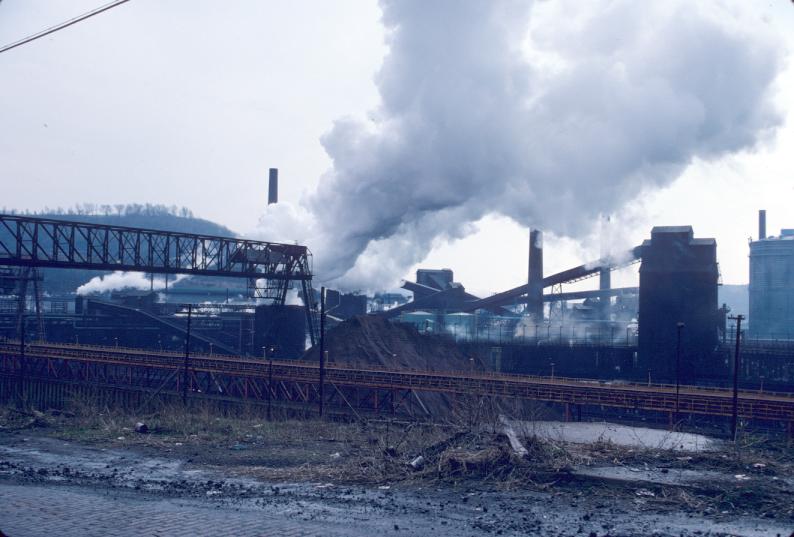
(230, 377)
(270, 268)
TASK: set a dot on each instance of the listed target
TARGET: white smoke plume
(293, 298)
(550, 113)
(119, 280)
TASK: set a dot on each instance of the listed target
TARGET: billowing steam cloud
(549, 113)
(119, 280)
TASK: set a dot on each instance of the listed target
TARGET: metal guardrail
(227, 360)
(658, 397)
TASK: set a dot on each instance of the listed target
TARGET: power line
(61, 26)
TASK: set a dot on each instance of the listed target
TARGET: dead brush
(489, 459)
(550, 456)
(388, 447)
(14, 419)
(489, 462)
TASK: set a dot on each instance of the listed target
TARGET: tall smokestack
(604, 283)
(272, 187)
(761, 224)
(535, 275)
(605, 274)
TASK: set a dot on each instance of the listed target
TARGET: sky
(363, 105)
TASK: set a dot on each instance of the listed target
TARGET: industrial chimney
(605, 272)
(604, 284)
(761, 224)
(535, 275)
(272, 187)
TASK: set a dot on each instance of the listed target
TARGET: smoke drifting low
(549, 113)
(119, 280)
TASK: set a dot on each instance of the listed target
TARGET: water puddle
(672, 476)
(619, 435)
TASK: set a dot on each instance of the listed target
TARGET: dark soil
(370, 340)
(471, 480)
(374, 341)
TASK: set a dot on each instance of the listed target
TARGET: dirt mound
(370, 340)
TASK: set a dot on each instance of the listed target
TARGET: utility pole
(187, 354)
(322, 348)
(734, 420)
(270, 384)
(679, 327)
(21, 383)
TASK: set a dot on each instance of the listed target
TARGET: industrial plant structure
(678, 284)
(671, 327)
(772, 284)
(267, 273)
(668, 327)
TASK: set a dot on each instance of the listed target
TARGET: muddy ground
(354, 478)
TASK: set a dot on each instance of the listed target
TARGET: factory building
(679, 276)
(439, 279)
(343, 306)
(772, 284)
(279, 331)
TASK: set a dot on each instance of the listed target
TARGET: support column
(604, 284)
(535, 276)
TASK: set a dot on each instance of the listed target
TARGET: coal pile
(372, 341)
(369, 340)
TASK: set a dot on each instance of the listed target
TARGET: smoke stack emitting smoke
(549, 113)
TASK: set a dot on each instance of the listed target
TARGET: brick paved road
(34, 510)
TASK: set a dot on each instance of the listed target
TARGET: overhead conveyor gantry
(48, 243)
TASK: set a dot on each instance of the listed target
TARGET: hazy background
(483, 119)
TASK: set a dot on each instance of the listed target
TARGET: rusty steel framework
(572, 275)
(371, 388)
(17, 282)
(270, 268)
